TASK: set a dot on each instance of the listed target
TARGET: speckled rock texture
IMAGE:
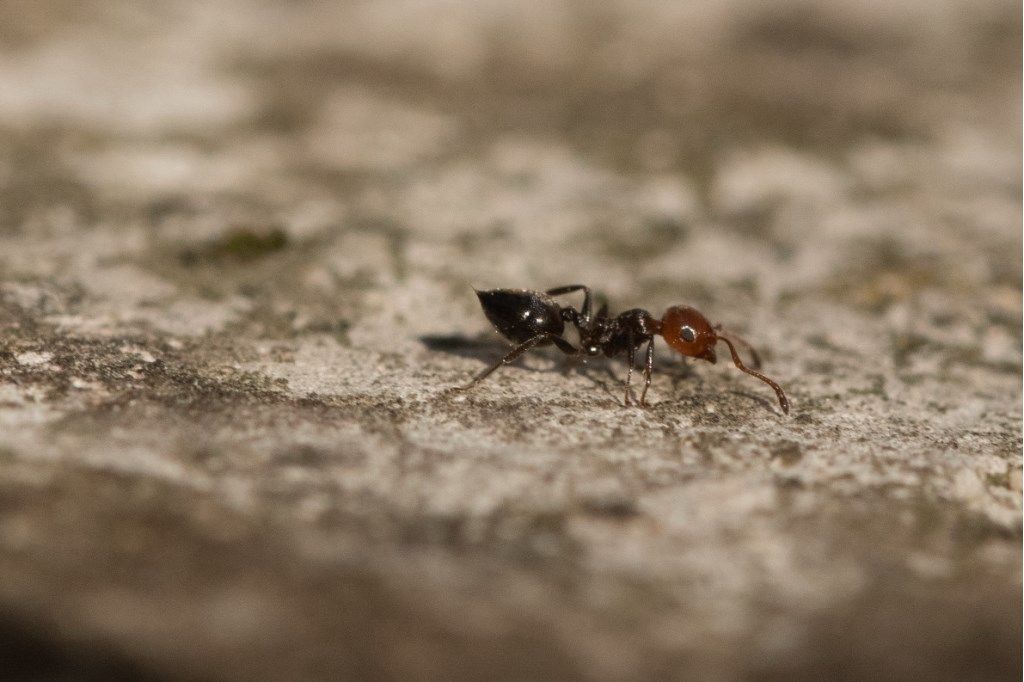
(238, 242)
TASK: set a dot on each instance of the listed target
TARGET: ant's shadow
(485, 349)
(489, 350)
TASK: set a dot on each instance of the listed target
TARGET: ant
(532, 318)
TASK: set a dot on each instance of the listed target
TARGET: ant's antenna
(783, 400)
(740, 341)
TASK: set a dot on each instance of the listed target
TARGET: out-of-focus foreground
(237, 244)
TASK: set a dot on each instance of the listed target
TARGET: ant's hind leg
(570, 288)
(570, 350)
(510, 357)
(648, 366)
(565, 346)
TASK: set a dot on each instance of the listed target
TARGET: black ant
(532, 318)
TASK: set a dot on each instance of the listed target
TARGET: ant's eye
(688, 334)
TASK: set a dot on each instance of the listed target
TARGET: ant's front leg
(510, 357)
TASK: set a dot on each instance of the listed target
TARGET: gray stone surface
(237, 245)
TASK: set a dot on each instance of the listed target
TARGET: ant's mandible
(533, 318)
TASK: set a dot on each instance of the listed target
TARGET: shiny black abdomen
(520, 315)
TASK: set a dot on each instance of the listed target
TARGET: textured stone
(238, 242)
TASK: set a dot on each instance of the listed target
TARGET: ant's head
(688, 332)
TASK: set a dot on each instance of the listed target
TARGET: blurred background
(237, 246)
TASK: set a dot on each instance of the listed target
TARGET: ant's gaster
(532, 318)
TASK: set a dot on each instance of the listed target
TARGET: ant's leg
(510, 357)
(754, 355)
(648, 366)
(629, 371)
(629, 375)
(565, 346)
(602, 312)
(570, 350)
(570, 288)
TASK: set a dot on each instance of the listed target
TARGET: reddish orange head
(688, 332)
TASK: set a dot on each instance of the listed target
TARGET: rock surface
(237, 245)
